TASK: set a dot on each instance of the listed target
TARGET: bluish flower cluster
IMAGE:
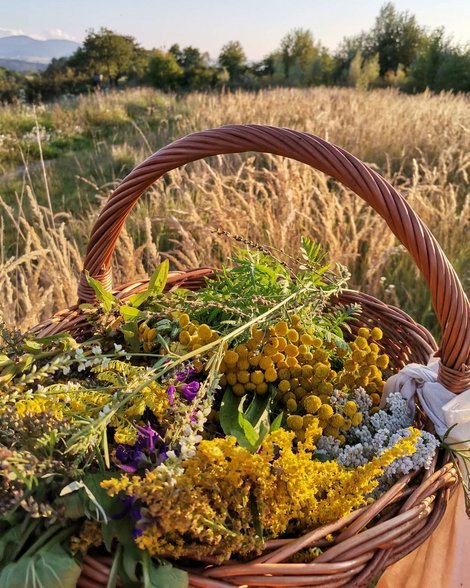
(376, 434)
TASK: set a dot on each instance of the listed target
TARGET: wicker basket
(365, 543)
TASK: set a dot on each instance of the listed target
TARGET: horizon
(71, 22)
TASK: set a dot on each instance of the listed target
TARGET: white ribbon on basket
(443, 407)
(441, 561)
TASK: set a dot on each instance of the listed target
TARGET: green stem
(54, 530)
(25, 535)
(114, 569)
(146, 569)
(106, 448)
(162, 370)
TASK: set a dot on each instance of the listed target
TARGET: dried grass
(420, 143)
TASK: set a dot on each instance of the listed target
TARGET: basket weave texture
(414, 506)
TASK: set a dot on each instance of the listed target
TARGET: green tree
(197, 73)
(11, 85)
(322, 67)
(396, 37)
(297, 49)
(422, 72)
(265, 67)
(232, 57)
(109, 53)
(164, 71)
(344, 55)
(175, 50)
(453, 72)
(363, 72)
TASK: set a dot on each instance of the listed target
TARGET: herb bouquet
(217, 432)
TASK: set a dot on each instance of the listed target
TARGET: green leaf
(159, 278)
(137, 299)
(103, 296)
(111, 506)
(126, 580)
(8, 543)
(113, 573)
(130, 330)
(249, 427)
(166, 576)
(230, 421)
(131, 558)
(250, 433)
(73, 505)
(50, 567)
(121, 530)
(5, 360)
(98, 512)
(229, 409)
(95, 501)
(32, 346)
(156, 285)
(258, 410)
(129, 312)
(276, 424)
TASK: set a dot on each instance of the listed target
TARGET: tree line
(396, 52)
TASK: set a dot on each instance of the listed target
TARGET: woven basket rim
(409, 514)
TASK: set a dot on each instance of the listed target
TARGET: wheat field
(48, 204)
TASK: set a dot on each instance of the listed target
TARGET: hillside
(22, 66)
(18, 49)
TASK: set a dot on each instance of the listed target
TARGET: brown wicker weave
(413, 507)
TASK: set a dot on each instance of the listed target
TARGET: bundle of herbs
(195, 425)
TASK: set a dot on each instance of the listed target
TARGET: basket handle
(448, 297)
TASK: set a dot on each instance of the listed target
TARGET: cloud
(11, 32)
(58, 34)
(48, 34)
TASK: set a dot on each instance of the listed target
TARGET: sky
(259, 25)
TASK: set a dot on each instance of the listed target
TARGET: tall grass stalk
(419, 143)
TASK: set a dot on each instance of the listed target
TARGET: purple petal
(122, 452)
(147, 437)
(128, 503)
(129, 469)
(171, 391)
(185, 373)
(190, 390)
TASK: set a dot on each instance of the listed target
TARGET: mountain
(19, 65)
(26, 49)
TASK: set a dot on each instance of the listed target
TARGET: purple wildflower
(147, 437)
(128, 468)
(190, 390)
(171, 391)
(130, 458)
(131, 508)
(185, 373)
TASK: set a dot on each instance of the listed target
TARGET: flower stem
(53, 532)
(26, 533)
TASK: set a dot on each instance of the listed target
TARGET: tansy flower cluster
(193, 336)
(306, 370)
